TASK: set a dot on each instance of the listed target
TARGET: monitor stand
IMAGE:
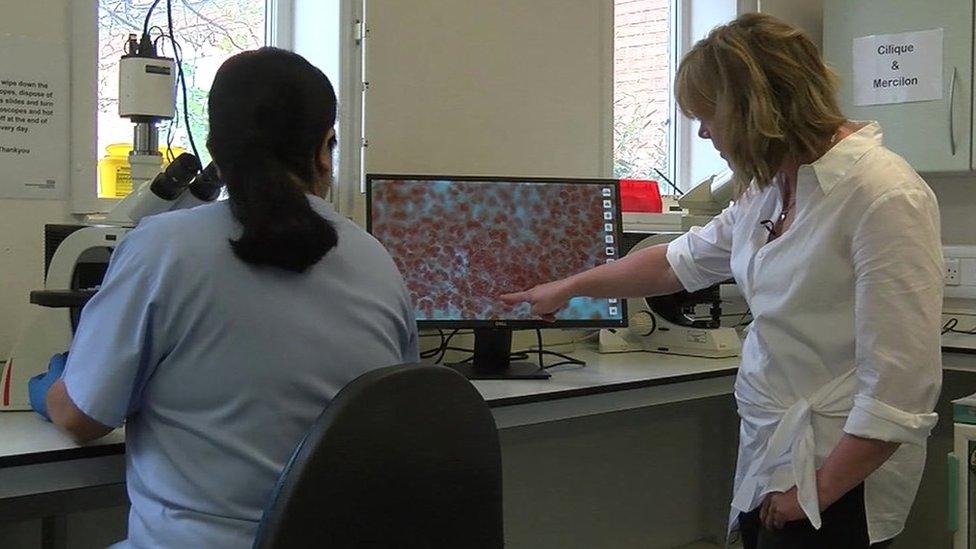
(492, 358)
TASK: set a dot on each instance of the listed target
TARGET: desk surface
(27, 439)
(606, 373)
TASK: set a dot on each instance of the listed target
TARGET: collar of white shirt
(833, 165)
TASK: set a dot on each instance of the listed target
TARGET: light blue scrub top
(218, 368)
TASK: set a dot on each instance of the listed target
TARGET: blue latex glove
(39, 385)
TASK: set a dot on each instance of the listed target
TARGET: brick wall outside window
(642, 42)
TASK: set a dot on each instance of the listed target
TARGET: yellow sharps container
(115, 174)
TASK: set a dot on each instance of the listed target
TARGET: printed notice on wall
(898, 68)
(33, 118)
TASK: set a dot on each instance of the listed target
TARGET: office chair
(405, 456)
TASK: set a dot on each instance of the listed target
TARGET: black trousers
(844, 526)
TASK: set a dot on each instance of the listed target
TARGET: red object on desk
(640, 195)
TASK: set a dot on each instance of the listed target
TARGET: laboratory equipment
(962, 474)
(462, 241)
(76, 256)
(640, 195)
(706, 199)
(694, 208)
(683, 323)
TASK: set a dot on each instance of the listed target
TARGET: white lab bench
(608, 383)
(549, 431)
(633, 450)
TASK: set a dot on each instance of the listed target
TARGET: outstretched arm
(639, 274)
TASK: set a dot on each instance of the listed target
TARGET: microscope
(76, 256)
(683, 323)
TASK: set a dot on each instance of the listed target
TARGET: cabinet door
(934, 136)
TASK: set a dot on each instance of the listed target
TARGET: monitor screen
(462, 241)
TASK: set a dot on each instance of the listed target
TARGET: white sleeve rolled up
(702, 256)
(897, 253)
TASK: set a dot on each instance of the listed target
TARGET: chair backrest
(405, 456)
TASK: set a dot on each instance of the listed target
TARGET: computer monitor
(460, 242)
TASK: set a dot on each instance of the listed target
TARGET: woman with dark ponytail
(273, 145)
(220, 333)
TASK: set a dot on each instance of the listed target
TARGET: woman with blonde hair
(834, 242)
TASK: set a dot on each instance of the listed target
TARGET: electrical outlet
(960, 272)
(951, 273)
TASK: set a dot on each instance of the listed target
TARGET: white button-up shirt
(846, 331)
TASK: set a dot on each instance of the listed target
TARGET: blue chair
(405, 456)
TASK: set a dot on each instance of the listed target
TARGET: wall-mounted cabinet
(934, 135)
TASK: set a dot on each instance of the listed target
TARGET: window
(644, 43)
(208, 32)
(650, 135)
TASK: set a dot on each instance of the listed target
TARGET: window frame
(695, 18)
(345, 191)
(677, 21)
(83, 132)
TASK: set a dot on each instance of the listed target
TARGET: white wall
(806, 14)
(508, 86)
(22, 221)
(957, 203)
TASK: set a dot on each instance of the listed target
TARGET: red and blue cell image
(460, 244)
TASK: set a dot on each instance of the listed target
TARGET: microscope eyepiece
(171, 183)
(207, 184)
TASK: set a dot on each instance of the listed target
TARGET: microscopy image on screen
(459, 244)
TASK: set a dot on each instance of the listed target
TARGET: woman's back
(226, 364)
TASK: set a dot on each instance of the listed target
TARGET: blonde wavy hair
(767, 90)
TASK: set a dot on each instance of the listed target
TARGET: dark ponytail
(270, 113)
